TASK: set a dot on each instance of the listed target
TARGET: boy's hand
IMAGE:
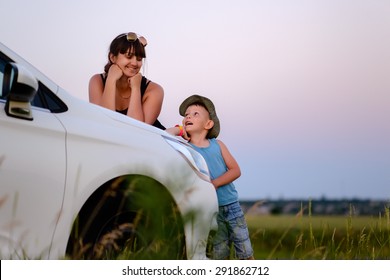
(176, 131)
(185, 135)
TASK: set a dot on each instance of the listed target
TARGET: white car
(82, 182)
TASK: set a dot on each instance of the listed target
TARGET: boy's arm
(178, 130)
(173, 130)
(233, 171)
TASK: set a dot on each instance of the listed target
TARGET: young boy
(201, 128)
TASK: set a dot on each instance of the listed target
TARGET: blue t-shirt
(226, 194)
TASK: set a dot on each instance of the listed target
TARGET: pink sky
(301, 87)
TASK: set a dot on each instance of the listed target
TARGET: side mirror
(19, 87)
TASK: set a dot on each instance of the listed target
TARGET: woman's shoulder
(98, 77)
(154, 87)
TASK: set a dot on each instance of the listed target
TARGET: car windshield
(45, 98)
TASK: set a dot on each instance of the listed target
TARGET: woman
(122, 88)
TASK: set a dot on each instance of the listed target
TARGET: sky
(301, 87)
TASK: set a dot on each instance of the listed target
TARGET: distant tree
(277, 210)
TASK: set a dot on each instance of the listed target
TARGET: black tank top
(144, 85)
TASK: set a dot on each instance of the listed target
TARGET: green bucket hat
(197, 99)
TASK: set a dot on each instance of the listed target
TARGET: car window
(45, 98)
(2, 65)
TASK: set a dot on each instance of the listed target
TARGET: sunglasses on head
(132, 37)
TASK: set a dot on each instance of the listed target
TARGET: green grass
(320, 237)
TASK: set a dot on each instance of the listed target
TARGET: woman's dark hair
(121, 45)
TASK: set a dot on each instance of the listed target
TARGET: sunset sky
(302, 88)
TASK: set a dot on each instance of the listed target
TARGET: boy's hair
(208, 105)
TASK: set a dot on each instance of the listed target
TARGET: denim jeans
(232, 229)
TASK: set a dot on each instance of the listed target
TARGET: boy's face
(197, 119)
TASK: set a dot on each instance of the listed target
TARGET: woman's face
(128, 62)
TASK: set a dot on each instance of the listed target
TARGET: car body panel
(50, 166)
(34, 190)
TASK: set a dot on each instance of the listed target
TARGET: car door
(32, 181)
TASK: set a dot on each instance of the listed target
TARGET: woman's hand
(114, 73)
(135, 81)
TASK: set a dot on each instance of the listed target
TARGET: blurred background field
(320, 237)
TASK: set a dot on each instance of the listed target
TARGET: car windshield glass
(2, 65)
(45, 98)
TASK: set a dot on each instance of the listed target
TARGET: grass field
(320, 237)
